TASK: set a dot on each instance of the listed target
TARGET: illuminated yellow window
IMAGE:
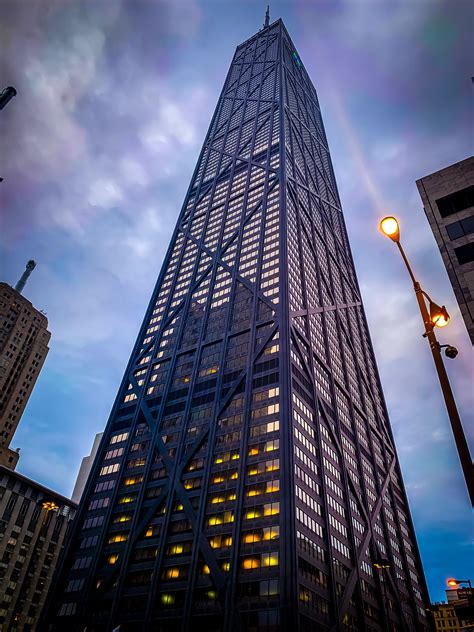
(206, 570)
(269, 559)
(126, 499)
(123, 518)
(219, 459)
(218, 479)
(273, 486)
(251, 537)
(112, 558)
(272, 509)
(231, 496)
(271, 445)
(304, 596)
(272, 466)
(235, 456)
(215, 543)
(270, 350)
(253, 513)
(175, 549)
(253, 491)
(234, 475)
(271, 533)
(225, 566)
(167, 599)
(217, 499)
(251, 563)
(222, 518)
(172, 573)
(211, 594)
(149, 532)
(227, 541)
(252, 471)
(117, 537)
(253, 451)
(98, 583)
(179, 507)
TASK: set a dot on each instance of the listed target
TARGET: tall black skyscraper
(247, 478)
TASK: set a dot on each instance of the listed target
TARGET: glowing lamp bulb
(390, 228)
(452, 582)
(438, 315)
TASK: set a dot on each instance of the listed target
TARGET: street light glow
(439, 315)
(452, 582)
(50, 505)
(390, 228)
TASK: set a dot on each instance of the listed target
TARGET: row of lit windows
(264, 560)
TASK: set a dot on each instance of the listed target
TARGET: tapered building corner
(248, 478)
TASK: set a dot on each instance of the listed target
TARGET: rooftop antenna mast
(267, 17)
(30, 266)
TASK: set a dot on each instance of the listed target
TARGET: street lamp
(382, 565)
(454, 583)
(436, 317)
(7, 95)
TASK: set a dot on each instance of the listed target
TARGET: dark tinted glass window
(461, 228)
(468, 225)
(465, 254)
(455, 230)
(456, 202)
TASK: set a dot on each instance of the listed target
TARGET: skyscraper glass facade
(247, 478)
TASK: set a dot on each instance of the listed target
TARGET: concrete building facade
(34, 521)
(24, 339)
(448, 201)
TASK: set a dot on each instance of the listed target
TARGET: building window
(456, 202)
(465, 254)
(461, 228)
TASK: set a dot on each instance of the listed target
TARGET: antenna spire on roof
(30, 266)
(267, 17)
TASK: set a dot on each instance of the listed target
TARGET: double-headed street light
(437, 317)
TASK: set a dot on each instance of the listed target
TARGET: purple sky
(114, 100)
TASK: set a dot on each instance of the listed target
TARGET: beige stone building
(457, 613)
(24, 339)
(448, 200)
(33, 523)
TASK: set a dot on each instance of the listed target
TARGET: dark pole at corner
(453, 414)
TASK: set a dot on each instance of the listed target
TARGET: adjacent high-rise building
(248, 477)
(34, 521)
(85, 469)
(24, 339)
(448, 200)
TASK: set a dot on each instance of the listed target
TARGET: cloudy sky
(97, 150)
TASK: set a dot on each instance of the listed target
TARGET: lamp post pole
(456, 425)
(389, 226)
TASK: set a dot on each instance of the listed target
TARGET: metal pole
(456, 425)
